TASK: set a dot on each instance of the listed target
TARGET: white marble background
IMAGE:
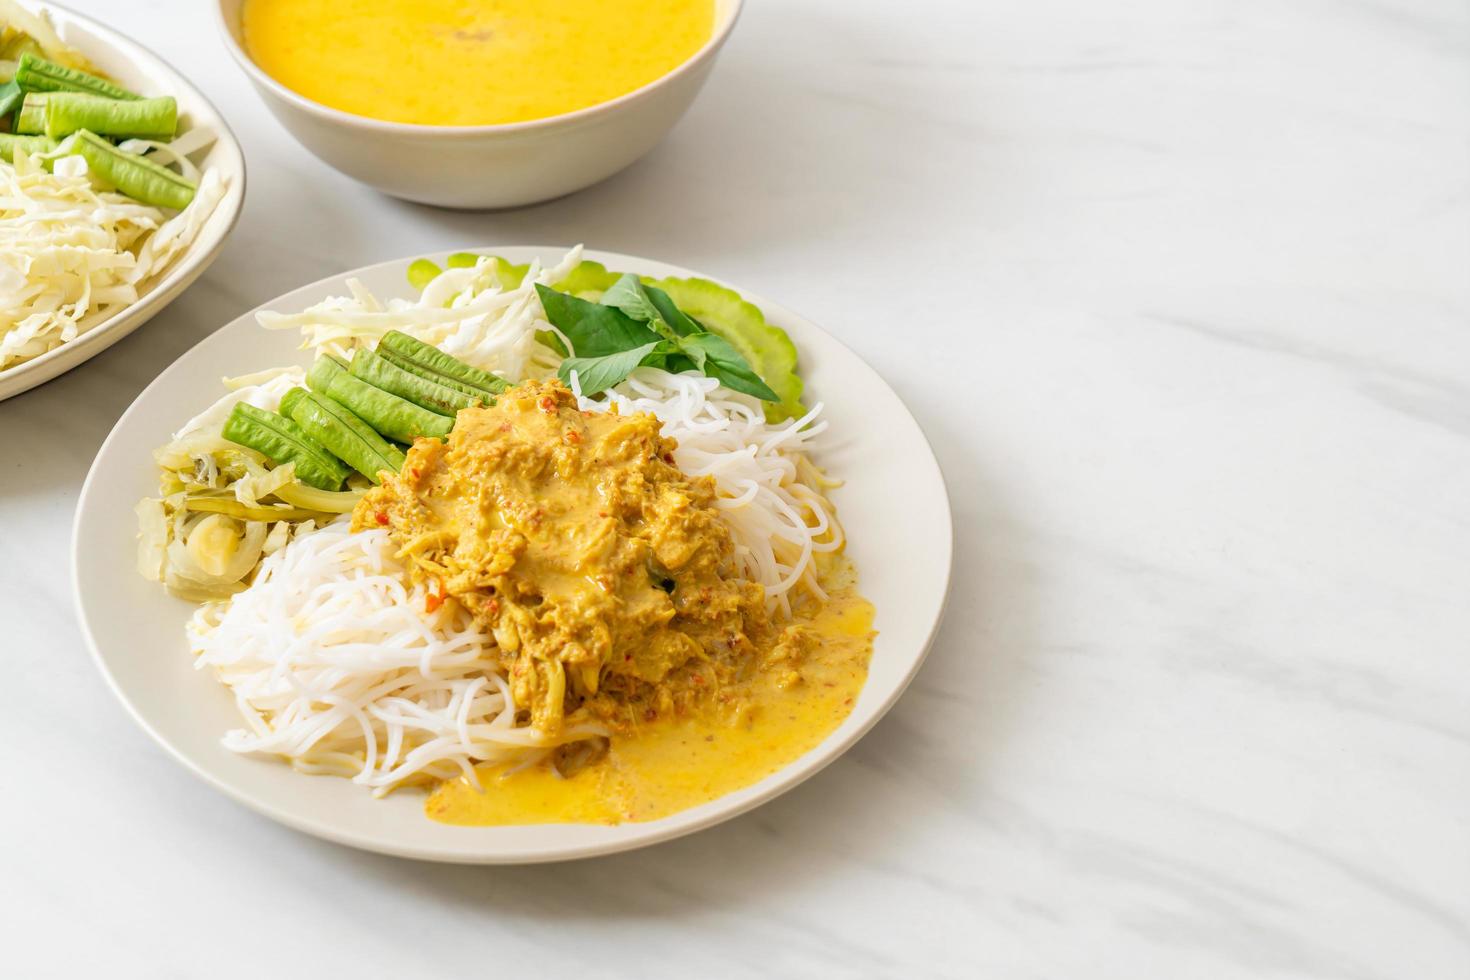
(1179, 290)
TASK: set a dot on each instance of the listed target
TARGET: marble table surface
(1178, 288)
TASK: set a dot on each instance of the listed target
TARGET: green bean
(480, 394)
(11, 97)
(284, 442)
(289, 400)
(136, 176)
(429, 361)
(422, 391)
(30, 118)
(391, 416)
(9, 143)
(326, 367)
(36, 74)
(347, 436)
(149, 119)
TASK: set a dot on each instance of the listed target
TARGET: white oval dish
(137, 68)
(496, 166)
(894, 507)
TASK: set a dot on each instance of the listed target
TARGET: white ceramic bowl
(893, 506)
(137, 68)
(486, 166)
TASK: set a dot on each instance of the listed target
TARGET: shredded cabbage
(71, 256)
(464, 312)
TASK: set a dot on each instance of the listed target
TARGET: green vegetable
(421, 272)
(596, 374)
(348, 437)
(586, 281)
(325, 501)
(723, 362)
(11, 97)
(629, 295)
(68, 112)
(765, 347)
(638, 317)
(136, 176)
(427, 394)
(30, 118)
(462, 260)
(30, 144)
(36, 74)
(479, 394)
(429, 361)
(390, 415)
(322, 373)
(231, 507)
(283, 441)
(594, 330)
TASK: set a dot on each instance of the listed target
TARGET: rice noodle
(336, 667)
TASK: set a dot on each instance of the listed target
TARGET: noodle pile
(336, 667)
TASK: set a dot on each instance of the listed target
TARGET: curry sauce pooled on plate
(605, 575)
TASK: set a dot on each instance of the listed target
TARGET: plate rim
(643, 834)
(20, 378)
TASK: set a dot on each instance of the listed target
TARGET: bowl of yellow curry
(477, 103)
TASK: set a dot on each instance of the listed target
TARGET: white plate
(137, 68)
(893, 505)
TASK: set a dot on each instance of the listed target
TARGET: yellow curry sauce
(607, 578)
(471, 62)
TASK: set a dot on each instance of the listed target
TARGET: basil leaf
(596, 374)
(669, 312)
(694, 352)
(724, 363)
(594, 330)
(627, 295)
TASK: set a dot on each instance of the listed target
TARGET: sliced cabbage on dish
(98, 192)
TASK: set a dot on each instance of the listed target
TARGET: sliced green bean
(11, 97)
(335, 426)
(430, 360)
(422, 391)
(149, 119)
(36, 74)
(326, 367)
(30, 118)
(391, 416)
(419, 370)
(9, 143)
(284, 442)
(136, 176)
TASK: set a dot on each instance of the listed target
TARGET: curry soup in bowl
(476, 63)
(480, 103)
